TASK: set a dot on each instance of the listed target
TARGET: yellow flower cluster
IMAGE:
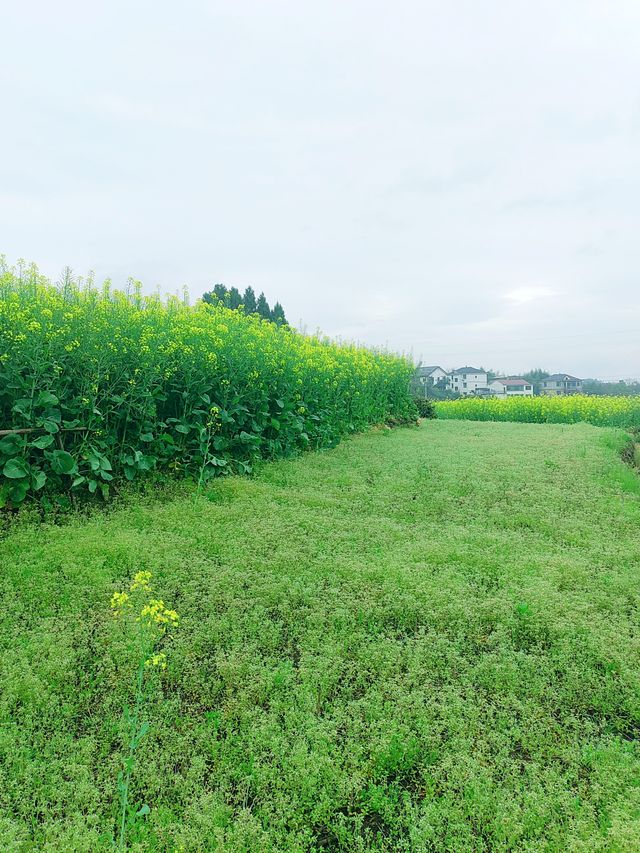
(152, 612)
(155, 613)
(141, 580)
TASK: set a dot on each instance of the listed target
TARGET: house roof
(469, 370)
(512, 380)
(556, 376)
(429, 368)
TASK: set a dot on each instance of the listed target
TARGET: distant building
(560, 383)
(432, 374)
(511, 386)
(467, 380)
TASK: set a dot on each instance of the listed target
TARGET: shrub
(109, 385)
(426, 407)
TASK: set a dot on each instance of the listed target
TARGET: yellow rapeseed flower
(141, 581)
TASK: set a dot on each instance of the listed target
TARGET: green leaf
(22, 407)
(38, 479)
(51, 426)
(78, 481)
(93, 485)
(182, 428)
(46, 398)
(11, 445)
(42, 442)
(16, 469)
(146, 463)
(146, 436)
(63, 462)
(19, 492)
(143, 810)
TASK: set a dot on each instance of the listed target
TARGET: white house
(467, 380)
(431, 374)
(511, 386)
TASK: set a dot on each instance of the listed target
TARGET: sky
(456, 180)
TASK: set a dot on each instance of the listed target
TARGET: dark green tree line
(247, 302)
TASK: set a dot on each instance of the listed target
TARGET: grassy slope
(426, 639)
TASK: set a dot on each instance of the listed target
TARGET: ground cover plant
(600, 411)
(425, 639)
(97, 386)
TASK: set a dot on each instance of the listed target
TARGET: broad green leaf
(11, 445)
(43, 441)
(146, 463)
(38, 479)
(46, 398)
(16, 469)
(19, 492)
(63, 462)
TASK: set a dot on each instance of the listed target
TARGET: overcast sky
(456, 179)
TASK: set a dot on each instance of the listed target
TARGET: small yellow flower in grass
(141, 581)
(159, 659)
(119, 600)
(155, 613)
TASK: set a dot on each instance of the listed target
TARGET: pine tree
(262, 307)
(218, 294)
(277, 315)
(221, 292)
(234, 299)
(249, 301)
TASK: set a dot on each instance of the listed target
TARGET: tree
(218, 294)
(535, 377)
(234, 300)
(262, 307)
(277, 315)
(249, 301)
(221, 292)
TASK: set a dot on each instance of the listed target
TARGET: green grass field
(426, 639)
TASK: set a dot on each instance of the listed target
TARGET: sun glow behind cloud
(522, 295)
